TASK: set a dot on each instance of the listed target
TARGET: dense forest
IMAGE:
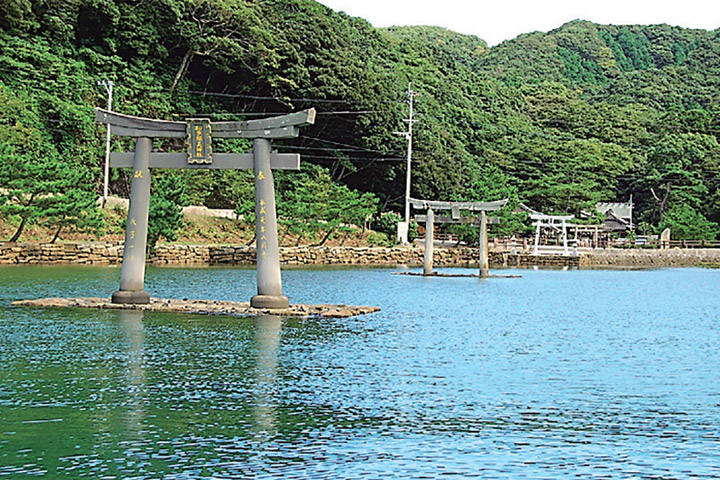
(559, 121)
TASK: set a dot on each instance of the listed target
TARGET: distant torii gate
(542, 220)
(198, 134)
(430, 218)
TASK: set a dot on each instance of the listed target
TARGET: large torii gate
(455, 207)
(198, 134)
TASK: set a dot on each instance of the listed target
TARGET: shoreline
(102, 253)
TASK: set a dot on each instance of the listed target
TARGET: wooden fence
(505, 243)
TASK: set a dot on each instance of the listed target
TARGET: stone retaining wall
(98, 253)
(94, 253)
(674, 257)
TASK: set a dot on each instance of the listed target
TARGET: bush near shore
(196, 230)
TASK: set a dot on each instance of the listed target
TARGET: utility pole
(109, 88)
(404, 226)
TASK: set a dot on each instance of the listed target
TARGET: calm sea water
(558, 374)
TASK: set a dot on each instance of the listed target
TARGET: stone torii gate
(198, 134)
(542, 220)
(430, 218)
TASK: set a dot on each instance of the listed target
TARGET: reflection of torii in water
(542, 220)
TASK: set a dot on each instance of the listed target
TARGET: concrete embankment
(99, 253)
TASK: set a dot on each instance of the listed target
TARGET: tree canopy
(582, 114)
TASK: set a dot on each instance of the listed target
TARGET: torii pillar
(269, 281)
(429, 242)
(198, 134)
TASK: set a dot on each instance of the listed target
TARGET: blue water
(558, 374)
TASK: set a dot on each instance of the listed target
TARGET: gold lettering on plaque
(199, 141)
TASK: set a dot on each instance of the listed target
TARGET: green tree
(489, 184)
(678, 170)
(166, 202)
(312, 203)
(686, 223)
(36, 184)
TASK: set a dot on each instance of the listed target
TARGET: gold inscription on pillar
(262, 257)
(261, 176)
(138, 174)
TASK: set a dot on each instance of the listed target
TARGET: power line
(358, 160)
(278, 99)
(325, 149)
(354, 147)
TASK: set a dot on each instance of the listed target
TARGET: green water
(558, 374)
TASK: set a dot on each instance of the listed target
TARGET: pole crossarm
(284, 126)
(456, 206)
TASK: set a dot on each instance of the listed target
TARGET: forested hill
(659, 66)
(560, 120)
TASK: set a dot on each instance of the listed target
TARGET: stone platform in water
(455, 275)
(211, 307)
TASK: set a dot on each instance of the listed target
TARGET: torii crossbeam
(455, 207)
(198, 134)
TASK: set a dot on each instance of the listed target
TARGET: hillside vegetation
(560, 120)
